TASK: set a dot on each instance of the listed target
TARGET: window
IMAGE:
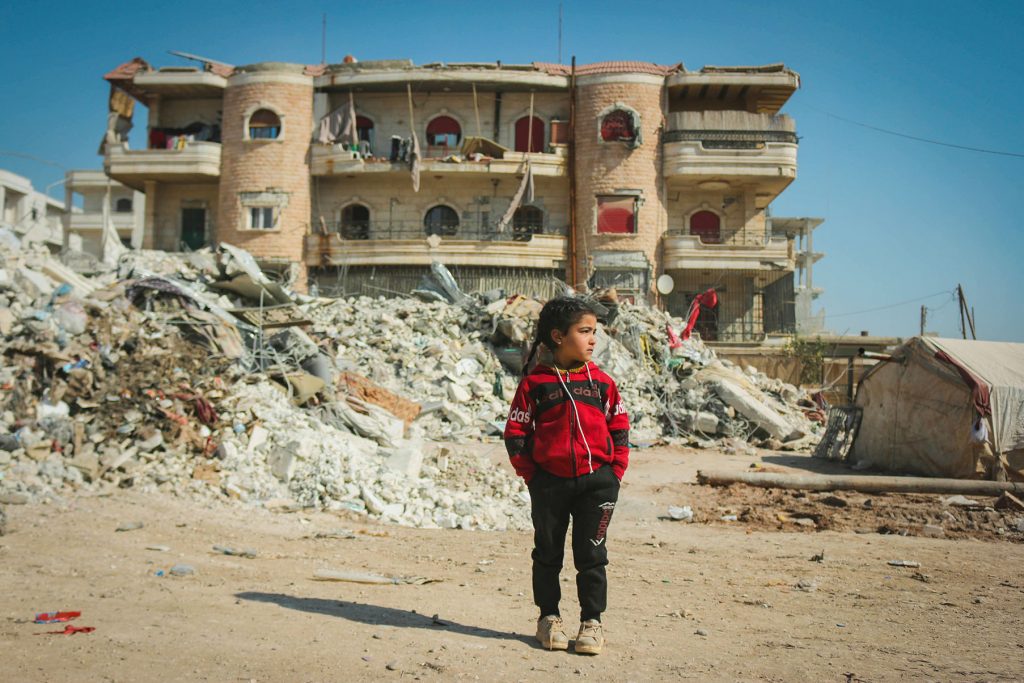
(441, 220)
(444, 131)
(527, 221)
(707, 226)
(355, 222)
(262, 218)
(123, 205)
(264, 125)
(618, 125)
(525, 137)
(616, 214)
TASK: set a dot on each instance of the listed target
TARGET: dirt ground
(710, 600)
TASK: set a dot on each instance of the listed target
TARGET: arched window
(441, 220)
(123, 205)
(444, 131)
(264, 125)
(618, 125)
(707, 226)
(355, 222)
(364, 127)
(527, 221)
(524, 137)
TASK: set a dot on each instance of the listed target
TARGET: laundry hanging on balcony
(524, 192)
(340, 125)
(414, 149)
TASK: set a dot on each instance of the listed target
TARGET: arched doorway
(524, 139)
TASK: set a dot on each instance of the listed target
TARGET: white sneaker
(550, 633)
(591, 638)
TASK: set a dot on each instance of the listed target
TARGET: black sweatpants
(589, 500)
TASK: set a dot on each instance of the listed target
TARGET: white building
(31, 215)
(101, 199)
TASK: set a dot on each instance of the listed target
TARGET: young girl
(567, 435)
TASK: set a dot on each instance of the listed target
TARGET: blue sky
(905, 221)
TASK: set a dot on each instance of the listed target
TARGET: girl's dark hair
(559, 314)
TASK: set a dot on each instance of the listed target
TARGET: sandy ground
(712, 600)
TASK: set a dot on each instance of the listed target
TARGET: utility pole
(960, 299)
(966, 312)
(924, 318)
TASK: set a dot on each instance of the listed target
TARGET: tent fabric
(919, 409)
(1001, 366)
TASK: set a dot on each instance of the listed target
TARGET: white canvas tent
(945, 408)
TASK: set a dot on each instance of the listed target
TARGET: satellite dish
(665, 284)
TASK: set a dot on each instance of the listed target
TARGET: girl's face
(576, 345)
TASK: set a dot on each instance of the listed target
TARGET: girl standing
(567, 435)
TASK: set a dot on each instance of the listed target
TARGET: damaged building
(353, 178)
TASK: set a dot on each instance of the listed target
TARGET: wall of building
(740, 219)
(476, 198)
(165, 230)
(178, 113)
(605, 168)
(390, 113)
(273, 167)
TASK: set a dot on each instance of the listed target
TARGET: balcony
(741, 251)
(410, 245)
(195, 163)
(334, 160)
(717, 149)
(85, 222)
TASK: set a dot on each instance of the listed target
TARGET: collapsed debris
(199, 375)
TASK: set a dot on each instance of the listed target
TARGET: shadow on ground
(375, 615)
(808, 464)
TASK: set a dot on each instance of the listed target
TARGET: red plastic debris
(55, 617)
(69, 630)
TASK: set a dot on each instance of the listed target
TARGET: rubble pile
(200, 375)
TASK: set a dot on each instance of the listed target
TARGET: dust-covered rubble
(198, 375)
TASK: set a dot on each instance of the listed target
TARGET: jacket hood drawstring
(579, 424)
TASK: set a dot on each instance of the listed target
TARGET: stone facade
(267, 173)
(711, 142)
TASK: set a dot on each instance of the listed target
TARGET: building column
(149, 234)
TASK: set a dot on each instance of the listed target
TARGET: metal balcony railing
(462, 230)
(729, 129)
(726, 238)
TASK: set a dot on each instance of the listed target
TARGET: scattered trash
(729, 518)
(55, 617)
(923, 578)
(129, 526)
(159, 548)
(225, 550)
(701, 632)
(904, 563)
(959, 501)
(364, 577)
(682, 514)
(182, 570)
(806, 585)
(819, 557)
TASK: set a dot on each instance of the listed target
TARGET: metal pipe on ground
(862, 483)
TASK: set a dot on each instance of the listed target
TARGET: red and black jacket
(543, 430)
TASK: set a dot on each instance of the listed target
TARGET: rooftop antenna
(323, 41)
(559, 33)
(196, 58)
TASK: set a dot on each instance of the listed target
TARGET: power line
(901, 303)
(917, 138)
(22, 155)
